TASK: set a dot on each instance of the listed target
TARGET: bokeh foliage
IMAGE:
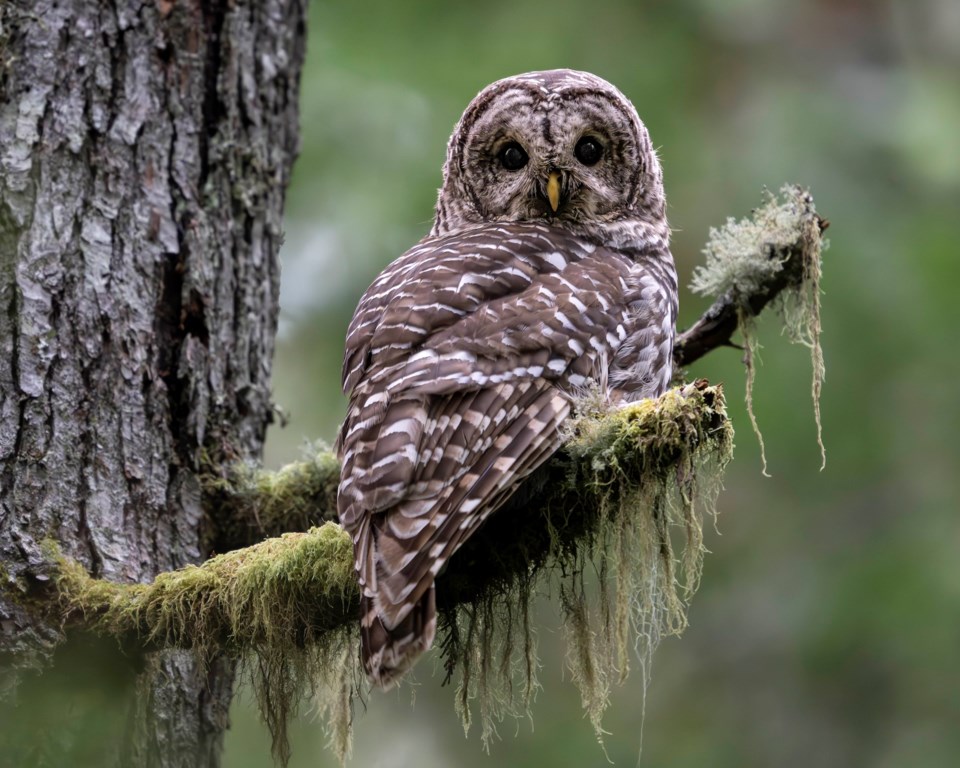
(827, 623)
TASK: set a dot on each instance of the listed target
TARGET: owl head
(560, 146)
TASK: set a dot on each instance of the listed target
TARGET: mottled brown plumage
(467, 353)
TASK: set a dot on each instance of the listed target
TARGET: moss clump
(651, 469)
(290, 601)
(287, 606)
(490, 642)
(281, 591)
(631, 476)
(781, 240)
(249, 503)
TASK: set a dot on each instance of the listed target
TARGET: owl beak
(553, 190)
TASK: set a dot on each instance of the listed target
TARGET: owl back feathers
(463, 360)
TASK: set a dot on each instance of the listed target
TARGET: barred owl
(547, 271)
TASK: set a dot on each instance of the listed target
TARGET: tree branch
(301, 585)
(775, 262)
(774, 249)
(624, 477)
(290, 590)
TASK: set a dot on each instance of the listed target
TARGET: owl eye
(588, 150)
(512, 157)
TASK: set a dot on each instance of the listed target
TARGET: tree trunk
(145, 148)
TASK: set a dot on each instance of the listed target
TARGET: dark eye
(588, 150)
(512, 157)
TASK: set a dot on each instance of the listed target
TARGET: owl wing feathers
(391, 319)
(419, 535)
(461, 363)
(516, 447)
(444, 279)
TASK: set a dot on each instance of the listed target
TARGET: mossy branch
(293, 588)
(250, 503)
(606, 504)
(285, 590)
(750, 264)
(772, 257)
(292, 600)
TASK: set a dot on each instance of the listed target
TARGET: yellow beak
(553, 190)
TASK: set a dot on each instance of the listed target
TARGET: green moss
(651, 469)
(275, 592)
(290, 601)
(490, 643)
(633, 476)
(742, 257)
(248, 503)
(629, 478)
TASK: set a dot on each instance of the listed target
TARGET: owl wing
(461, 362)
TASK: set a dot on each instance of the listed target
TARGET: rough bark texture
(144, 152)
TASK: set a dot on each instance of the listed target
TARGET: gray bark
(145, 148)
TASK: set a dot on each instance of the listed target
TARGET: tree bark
(145, 148)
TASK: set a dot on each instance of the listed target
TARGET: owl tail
(387, 654)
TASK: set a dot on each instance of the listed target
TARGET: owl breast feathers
(547, 272)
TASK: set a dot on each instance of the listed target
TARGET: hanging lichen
(781, 240)
(287, 606)
(651, 468)
(633, 475)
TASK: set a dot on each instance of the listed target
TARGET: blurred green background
(827, 627)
